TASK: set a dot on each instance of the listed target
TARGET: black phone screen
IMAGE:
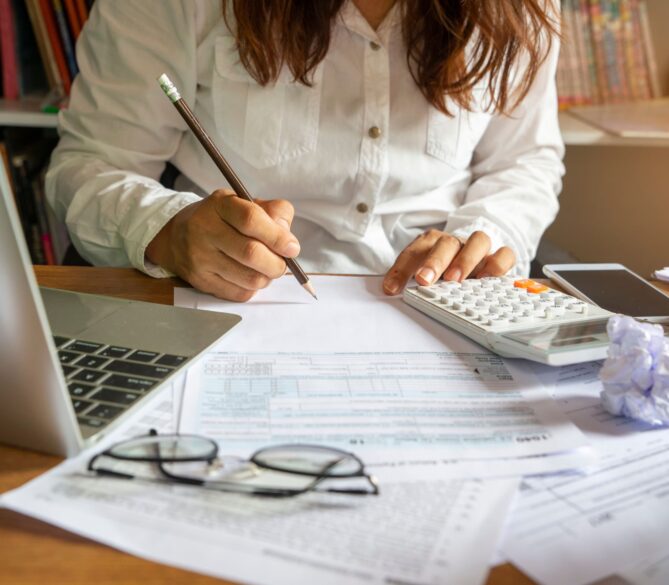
(618, 291)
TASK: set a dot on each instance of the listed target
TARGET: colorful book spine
(45, 49)
(597, 33)
(639, 52)
(66, 39)
(72, 18)
(8, 55)
(54, 40)
(649, 50)
(581, 53)
(591, 65)
(82, 11)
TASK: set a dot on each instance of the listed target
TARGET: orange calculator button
(537, 288)
(524, 283)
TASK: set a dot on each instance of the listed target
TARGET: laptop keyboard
(105, 380)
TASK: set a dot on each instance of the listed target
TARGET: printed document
(580, 527)
(366, 372)
(415, 532)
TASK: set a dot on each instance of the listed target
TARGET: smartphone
(612, 287)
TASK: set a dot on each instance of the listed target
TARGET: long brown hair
(296, 33)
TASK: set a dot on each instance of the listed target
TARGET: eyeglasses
(280, 471)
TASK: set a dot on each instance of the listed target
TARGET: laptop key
(66, 357)
(145, 370)
(91, 361)
(60, 341)
(129, 382)
(143, 356)
(171, 360)
(91, 422)
(115, 351)
(81, 406)
(79, 389)
(105, 411)
(115, 396)
(85, 346)
(67, 370)
(88, 375)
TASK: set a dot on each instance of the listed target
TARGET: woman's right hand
(227, 246)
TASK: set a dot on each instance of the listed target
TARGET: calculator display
(562, 336)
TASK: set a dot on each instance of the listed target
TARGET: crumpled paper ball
(636, 372)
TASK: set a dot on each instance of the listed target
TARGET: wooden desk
(32, 552)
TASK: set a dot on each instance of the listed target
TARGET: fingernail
(427, 275)
(392, 286)
(291, 249)
(454, 274)
(283, 222)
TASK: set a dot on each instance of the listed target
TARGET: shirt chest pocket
(452, 139)
(264, 125)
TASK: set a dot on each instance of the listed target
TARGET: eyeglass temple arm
(107, 472)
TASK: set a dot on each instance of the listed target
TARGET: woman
(405, 137)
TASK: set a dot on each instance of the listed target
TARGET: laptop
(73, 366)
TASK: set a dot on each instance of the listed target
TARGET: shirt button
(375, 46)
(362, 207)
(374, 132)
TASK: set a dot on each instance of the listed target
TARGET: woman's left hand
(435, 253)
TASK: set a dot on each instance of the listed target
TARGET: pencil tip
(310, 289)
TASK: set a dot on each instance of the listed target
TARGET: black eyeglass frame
(221, 485)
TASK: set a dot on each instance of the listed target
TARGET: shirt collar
(356, 22)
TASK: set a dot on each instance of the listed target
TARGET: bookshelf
(27, 113)
(613, 205)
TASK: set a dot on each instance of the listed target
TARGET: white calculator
(517, 318)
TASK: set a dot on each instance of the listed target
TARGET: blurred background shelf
(26, 112)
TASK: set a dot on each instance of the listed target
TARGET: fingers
(247, 252)
(214, 284)
(252, 221)
(280, 210)
(409, 261)
(497, 264)
(438, 258)
(475, 249)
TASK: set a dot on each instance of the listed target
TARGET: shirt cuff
(159, 217)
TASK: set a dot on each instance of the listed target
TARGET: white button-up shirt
(366, 161)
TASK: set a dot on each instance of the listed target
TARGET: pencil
(235, 182)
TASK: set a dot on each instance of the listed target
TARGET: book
(54, 40)
(72, 18)
(651, 62)
(30, 72)
(65, 38)
(44, 46)
(8, 55)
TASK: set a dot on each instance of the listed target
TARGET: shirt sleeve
(119, 130)
(517, 173)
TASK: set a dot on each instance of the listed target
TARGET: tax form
(365, 372)
(581, 527)
(415, 532)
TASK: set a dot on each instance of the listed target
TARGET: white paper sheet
(363, 371)
(652, 570)
(577, 528)
(414, 532)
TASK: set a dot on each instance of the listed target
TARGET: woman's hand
(435, 253)
(227, 246)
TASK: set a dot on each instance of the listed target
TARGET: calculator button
(428, 292)
(524, 283)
